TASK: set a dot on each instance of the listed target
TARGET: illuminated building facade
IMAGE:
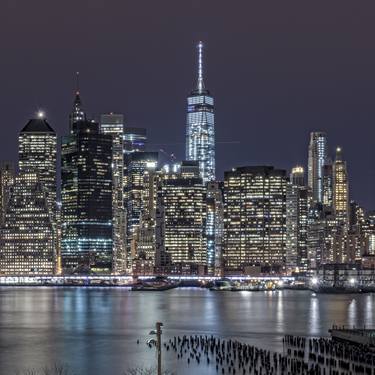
(37, 144)
(137, 165)
(296, 221)
(27, 240)
(113, 125)
(145, 238)
(86, 178)
(369, 232)
(135, 139)
(181, 220)
(200, 126)
(214, 228)
(254, 217)
(328, 184)
(340, 188)
(317, 159)
(7, 175)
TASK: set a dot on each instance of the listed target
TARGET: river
(94, 331)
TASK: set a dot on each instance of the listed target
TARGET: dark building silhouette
(86, 175)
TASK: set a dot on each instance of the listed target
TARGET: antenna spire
(200, 67)
(77, 83)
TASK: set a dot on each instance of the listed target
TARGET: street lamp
(158, 333)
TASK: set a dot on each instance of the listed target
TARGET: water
(94, 331)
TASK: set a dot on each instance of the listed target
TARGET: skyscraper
(37, 154)
(296, 221)
(137, 165)
(254, 217)
(200, 125)
(340, 188)
(317, 159)
(134, 139)
(27, 239)
(328, 184)
(86, 179)
(113, 125)
(77, 113)
(7, 175)
(181, 221)
(214, 228)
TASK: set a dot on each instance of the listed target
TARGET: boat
(221, 285)
(157, 285)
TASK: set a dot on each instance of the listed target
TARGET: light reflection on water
(95, 330)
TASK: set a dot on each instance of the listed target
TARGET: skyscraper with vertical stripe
(200, 125)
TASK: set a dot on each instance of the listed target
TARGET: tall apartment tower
(254, 217)
(200, 125)
(7, 175)
(317, 159)
(27, 239)
(86, 195)
(296, 221)
(340, 188)
(37, 144)
(113, 125)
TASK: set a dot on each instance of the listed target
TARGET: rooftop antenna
(200, 67)
(77, 83)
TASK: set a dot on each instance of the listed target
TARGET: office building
(317, 159)
(7, 175)
(340, 188)
(86, 194)
(37, 151)
(200, 127)
(254, 218)
(137, 164)
(135, 139)
(113, 125)
(181, 221)
(214, 228)
(27, 240)
(296, 221)
(328, 184)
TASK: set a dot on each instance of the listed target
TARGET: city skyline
(187, 187)
(322, 81)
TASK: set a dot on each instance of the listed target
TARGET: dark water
(94, 330)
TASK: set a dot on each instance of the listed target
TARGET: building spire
(200, 85)
(77, 113)
(77, 83)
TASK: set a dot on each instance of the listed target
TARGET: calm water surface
(94, 330)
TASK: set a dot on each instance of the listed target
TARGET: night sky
(277, 70)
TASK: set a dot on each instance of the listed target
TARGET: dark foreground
(95, 330)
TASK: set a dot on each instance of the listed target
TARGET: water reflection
(95, 330)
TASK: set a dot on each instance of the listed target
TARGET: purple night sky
(277, 70)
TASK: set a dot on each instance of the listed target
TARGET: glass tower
(200, 125)
(317, 159)
(113, 125)
(86, 193)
